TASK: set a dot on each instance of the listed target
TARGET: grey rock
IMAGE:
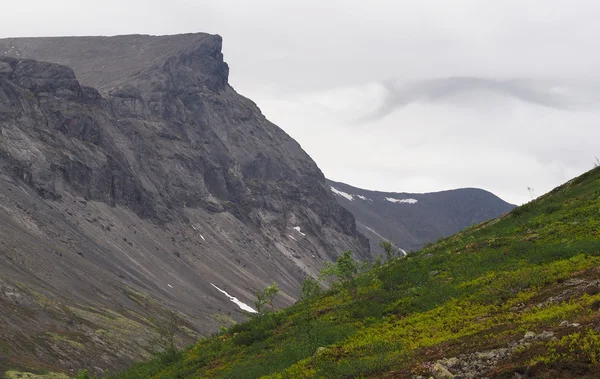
(43, 77)
(517, 307)
(545, 335)
(593, 288)
(475, 365)
(5, 69)
(182, 181)
(574, 282)
(441, 372)
(451, 362)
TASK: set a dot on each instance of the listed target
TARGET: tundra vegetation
(533, 272)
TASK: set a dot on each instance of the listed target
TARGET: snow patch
(374, 232)
(203, 239)
(297, 228)
(399, 201)
(234, 299)
(289, 235)
(348, 196)
(170, 286)
(342, 194)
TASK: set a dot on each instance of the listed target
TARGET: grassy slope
(480, 289)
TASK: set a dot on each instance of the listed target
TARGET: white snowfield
(297, 228)
(347, 195)
(239, 303)
(342, 194)
(399, 201)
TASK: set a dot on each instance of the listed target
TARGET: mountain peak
(101, 62)
(413, 219)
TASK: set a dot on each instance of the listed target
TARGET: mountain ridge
(413, 219)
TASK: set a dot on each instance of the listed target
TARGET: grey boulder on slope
(121, 202)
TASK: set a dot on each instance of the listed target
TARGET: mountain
(514, 297)
(413, 219)
(135, 182)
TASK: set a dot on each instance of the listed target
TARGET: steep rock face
(120, 204)
(413, 219)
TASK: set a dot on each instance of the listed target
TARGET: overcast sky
(406, 96)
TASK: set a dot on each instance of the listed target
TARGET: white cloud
(496, 142)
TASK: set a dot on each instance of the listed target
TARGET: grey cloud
(444, 89)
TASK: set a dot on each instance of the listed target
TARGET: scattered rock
(475, 365)
(441, 372)
(574, 282)
(5, 69)
(566, 324)
(451, 362)
(545, 336)
(529, 335)
(592, 289)
(517, 307)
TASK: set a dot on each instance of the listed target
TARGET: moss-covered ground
(477, 290)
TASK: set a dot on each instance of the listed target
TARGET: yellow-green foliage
(581, 346)
(491, 282)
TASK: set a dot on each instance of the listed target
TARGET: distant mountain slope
(412, 219)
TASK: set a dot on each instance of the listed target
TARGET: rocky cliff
(132, 184)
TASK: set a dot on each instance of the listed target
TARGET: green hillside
(519, 294)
